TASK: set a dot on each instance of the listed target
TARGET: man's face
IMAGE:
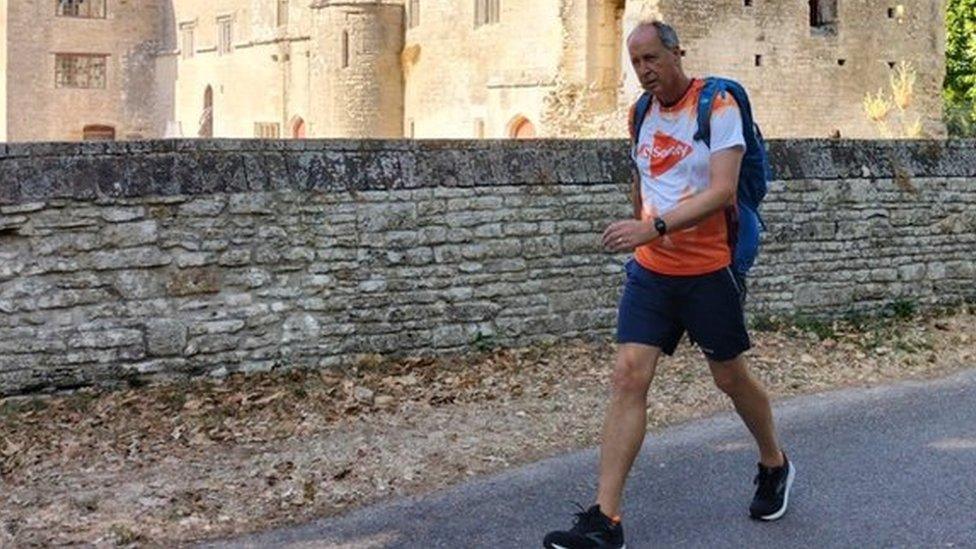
(657, 67)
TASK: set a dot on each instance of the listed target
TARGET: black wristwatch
(660, 226)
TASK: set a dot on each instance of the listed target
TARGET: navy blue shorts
(656, 310)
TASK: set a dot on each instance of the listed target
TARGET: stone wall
(177, 258)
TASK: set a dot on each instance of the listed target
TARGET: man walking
(679, 279)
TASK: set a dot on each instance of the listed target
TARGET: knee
(631, 376)
(730, 381)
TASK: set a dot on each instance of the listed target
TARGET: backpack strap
(705, 101)
(639, 113)
(714, 86)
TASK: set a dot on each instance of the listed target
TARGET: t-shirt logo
(667, 152)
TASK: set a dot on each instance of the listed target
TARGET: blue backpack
(754, 174)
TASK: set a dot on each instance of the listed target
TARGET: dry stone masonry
(140, 260)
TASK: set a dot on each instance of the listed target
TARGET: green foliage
(485, 342)
(960, 84)
(903, 309)
(858, 320)
(823, 329)
(15, 407)
(765, 323)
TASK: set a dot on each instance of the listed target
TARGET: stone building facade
(438, 68)
(73, 69)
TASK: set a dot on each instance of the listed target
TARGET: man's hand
(624, 236)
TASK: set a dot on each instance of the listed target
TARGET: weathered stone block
(201, 280)
(106, 339)
(130, 258)
(126, 235)
(165, 337)
(235, 258)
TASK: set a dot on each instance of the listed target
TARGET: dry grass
(171, 463)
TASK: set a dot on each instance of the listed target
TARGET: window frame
(413, 14)
(818, 23)
(282, 15)
(62, 82)
(267, 130)
(60, 6)
(487, 12)
(188, 28)
(225, 21)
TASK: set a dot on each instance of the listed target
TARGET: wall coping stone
(31, 172)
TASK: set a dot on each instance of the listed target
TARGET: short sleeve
(726, 124)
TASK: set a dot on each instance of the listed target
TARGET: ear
(676, 52)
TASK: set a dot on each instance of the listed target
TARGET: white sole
(786, 496)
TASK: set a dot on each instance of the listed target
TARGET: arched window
(521, 128)
(298, 127)
(207, 118)
(97, 132)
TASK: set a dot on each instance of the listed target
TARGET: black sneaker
(592, 530)
(772, 491)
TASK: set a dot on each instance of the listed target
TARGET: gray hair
(667, 34)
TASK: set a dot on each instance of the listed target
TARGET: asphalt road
(885, 467)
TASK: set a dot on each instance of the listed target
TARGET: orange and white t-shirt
(673, 168)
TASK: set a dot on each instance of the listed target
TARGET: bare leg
(752, 404)
(625, 422)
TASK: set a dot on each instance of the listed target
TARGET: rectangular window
(486, 12)
(72, 70)
(225, 35)
(345, 49)
(88, 9)
(823, 15)
(187, 41)
(282, 12)
(413, 14)
(479, 128)
(267, 130)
